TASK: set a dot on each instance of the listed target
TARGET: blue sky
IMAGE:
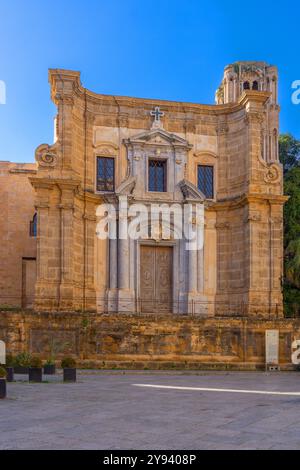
(158, 49)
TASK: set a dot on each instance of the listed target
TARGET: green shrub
(50, 362)
(23, 360)
(36, 362)
(68, 363)
(10, 360)
(3, 373)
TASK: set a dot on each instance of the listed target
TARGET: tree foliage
(289, 151)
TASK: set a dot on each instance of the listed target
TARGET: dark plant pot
(49, 369)
(10, 374)
(35, 374)
(69, 375)
(21, 370)
(2, 388)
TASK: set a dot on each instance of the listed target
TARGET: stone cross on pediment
(157, 114)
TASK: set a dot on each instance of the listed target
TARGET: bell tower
(240, 76)
(246, 76)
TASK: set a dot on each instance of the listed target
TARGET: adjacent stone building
(221, 158)
(17, 235)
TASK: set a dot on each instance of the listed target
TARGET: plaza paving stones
(106, 410)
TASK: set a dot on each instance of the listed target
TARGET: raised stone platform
(149, 341)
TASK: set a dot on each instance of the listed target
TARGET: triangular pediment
(158, 137)
(191, 192)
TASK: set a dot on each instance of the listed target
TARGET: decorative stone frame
(157, 144)
(105, 150)
(206, 158)
(175, 245)
(167, 178)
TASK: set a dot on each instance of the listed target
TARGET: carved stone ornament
(156, 137)
(254, 118)
(253, 217)
(222, 128)
(272, 175)
(127, 186)
(64, 99)
(46, 156)
(191, 192)
(222, 225)
(106, 150)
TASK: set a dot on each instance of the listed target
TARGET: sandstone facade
(240, 265)
(237, 271)
(89, 294)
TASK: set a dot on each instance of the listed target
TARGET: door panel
(156, 279)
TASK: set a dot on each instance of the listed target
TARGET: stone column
(123, 259)
(124, 297)
(193, 269)
(113, 276)
(46, 297)
(223, 158)
(210, 256)
(66, 247)
(192, 263)
(89, 264)
(276, 256)
(113, 263)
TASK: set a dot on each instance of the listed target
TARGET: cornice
(254, 96)
(49, 183)
(272, 198)
(22, 171)
(56, 75)
(88, 196)
(244, 199)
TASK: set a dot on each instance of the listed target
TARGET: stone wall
(153, 342)
(17, 248)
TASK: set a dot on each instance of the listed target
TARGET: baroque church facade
(222, 159)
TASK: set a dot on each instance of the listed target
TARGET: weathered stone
(165, 342)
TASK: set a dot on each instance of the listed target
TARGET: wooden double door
(156, 279)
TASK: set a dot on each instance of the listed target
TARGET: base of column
(46, 296)
(66, 297)
(198, 305)
(126, 301)
(112, 301)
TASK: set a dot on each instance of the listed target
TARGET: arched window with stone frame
(33, 226)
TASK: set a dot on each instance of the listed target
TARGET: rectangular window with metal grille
(206, 180)
(157, 175)
(105, 174)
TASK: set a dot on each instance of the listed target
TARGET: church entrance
(156, 279)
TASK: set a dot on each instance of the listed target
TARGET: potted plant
(69, 366)
(22, 363)
(49, 367)
(35, 370)
(2, 382)
(10, 362)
